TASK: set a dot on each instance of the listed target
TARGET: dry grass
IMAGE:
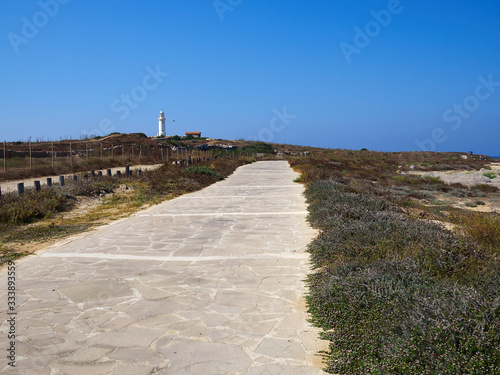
(483, 227)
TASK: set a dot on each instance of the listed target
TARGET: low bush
(32, 205)
(259, 147)
(490, 175)
(482, 227)
(91, 188)
(485, 188)
(203, 169)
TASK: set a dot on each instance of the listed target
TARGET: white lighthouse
(161, 125)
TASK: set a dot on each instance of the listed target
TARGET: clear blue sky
(385, 75)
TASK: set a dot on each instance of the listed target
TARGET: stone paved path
(208, 283)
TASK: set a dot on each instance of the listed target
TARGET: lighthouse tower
(161, 125)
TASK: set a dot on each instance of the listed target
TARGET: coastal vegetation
(401, 284)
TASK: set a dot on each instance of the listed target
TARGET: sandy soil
(467, 178)
(11, 186)
(470, 179)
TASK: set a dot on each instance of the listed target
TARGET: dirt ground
(11, 186)
(470, 179)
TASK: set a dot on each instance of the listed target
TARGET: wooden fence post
(5, 156)
(31, 158)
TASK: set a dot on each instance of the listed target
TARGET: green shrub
(490, 175)
(437, 202)
(204, 170)
(260, 148)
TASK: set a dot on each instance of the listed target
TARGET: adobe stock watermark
(460, 112)
(372, 29)
(123, 105)
(31, 26)
(277, 124)
(224, 6)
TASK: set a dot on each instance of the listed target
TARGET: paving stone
(213, 320)
(25, 371)
(274, 369)
(211, 358)
(33, 362)
(137, 355)
(131, 337)
(281, 348)
(163, 321)
(92, 354)
(132, 370)
(85, 369)
(97, 290)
